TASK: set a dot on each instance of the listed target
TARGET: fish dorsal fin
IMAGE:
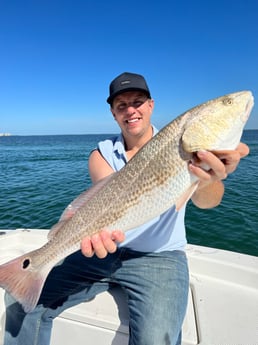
(186, 195)
(77, 203)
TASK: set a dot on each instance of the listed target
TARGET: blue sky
(58, 57)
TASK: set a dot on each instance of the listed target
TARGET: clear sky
(57, 58)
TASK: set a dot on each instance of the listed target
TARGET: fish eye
(227, 101)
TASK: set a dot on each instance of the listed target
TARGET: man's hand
(102, 243)
(221, 163)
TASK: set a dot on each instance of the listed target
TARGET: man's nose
(130, 109)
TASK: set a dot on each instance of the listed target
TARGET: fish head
(217, 124)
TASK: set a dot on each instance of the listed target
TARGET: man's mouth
(132, 120)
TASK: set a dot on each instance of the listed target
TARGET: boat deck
(222, 307)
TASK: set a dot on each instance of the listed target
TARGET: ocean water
(41, 175)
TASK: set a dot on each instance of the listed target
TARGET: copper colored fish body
(154, 180)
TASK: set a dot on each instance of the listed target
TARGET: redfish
(154, 180)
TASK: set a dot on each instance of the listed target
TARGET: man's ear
(114, 115)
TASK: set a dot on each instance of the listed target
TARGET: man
(149, 262)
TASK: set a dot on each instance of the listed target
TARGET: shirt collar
(119, 145)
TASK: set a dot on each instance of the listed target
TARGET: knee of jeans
(157, 327)
(156, 336)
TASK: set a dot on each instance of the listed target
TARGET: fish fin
(54, 230)
(83, 198)
(23, 281)
(77, 203)
(186, 195)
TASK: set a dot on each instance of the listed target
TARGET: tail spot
(25, 263)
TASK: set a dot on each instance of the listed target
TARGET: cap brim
(111, 98)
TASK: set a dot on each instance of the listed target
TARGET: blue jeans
(156, 285)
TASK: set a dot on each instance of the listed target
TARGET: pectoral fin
(186, 195)
(77, 203)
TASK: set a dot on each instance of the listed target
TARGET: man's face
(132, 110)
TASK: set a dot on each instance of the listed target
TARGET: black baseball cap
(127, 82)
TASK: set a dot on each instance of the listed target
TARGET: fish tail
(23, 281)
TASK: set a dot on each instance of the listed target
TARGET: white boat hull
(222, 307)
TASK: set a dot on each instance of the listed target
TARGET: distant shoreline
(5, 134)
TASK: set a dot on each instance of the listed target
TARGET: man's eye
(121, 106)
(137, 104)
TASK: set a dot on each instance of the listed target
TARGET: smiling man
(149, 263)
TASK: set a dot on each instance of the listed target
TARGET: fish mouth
(248, 108)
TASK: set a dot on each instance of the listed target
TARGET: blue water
(40, 175)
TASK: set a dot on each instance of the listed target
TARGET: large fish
(154, 180)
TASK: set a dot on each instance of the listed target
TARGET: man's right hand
(102, 243)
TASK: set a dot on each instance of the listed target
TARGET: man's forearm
(208, 196)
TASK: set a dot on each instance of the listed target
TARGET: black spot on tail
(25, 263)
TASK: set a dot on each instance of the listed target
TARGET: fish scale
(154, 180)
